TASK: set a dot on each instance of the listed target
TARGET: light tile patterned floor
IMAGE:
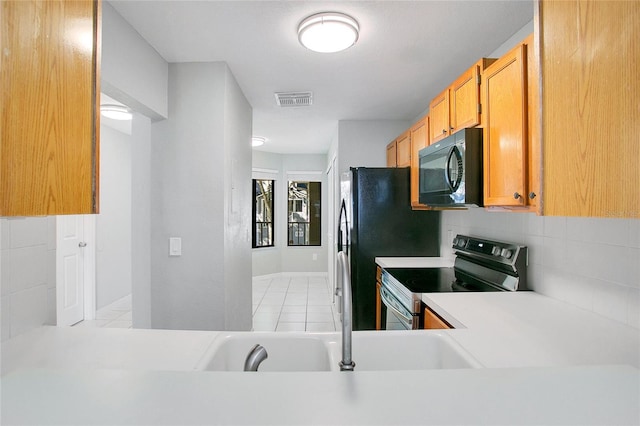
(115, 315)
(299, 303)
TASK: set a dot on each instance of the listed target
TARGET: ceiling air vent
(294, 99)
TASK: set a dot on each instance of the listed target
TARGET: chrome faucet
(256, 355)
(347, 363)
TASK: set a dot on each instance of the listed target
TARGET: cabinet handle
(450, 127)
(516, 195)
(444, 131)
(532, 195)
(82, 244)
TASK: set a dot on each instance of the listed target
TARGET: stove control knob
(506, 253)
(495, 251)
(462, 242)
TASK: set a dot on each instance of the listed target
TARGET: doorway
(75, 269)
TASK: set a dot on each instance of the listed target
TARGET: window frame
(291, 203)
(254, 221)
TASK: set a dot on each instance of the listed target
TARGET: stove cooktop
(435, 280)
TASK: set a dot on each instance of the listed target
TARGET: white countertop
(526, 329)
(547, 363)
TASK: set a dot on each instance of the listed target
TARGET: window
(262, 213)
(304, 213)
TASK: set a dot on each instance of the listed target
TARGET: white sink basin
(372, 351)
(408, 350)
(299, 352)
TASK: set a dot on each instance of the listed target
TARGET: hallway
(299, 303)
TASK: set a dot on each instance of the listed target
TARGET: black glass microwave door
(433, 175)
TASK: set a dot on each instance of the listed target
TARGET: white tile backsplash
(27, 271)
(28, 267)
(26, 232)
(28, 309)
(593, 263)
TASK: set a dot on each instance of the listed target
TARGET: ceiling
(408, 51)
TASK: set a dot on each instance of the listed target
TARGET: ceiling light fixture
(116, 112)
(328, 32)
(257, 141)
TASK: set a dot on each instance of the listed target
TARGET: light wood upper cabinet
(458, 106)
(505, 130)
(419, 139)
(589, 54)
(464, 97)
(439, 117)
(403, 150)
(50, 116)
(399, 151)
(392, 155)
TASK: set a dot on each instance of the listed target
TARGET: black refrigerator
(376, 220)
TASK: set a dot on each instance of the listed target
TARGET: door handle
(82, 244)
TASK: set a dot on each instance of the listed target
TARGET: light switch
(175, 246)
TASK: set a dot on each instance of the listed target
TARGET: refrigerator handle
(343, 213)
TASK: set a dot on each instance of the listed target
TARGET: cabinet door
(403, 150)
(49, 124)
(392, 155)
(534, 152)
(419, 133)
(439, 117)
(505, 131)
(590, 116)
(432, 321)
(378, 307)
(464, 98)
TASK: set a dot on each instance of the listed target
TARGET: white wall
(237, 207)
(592, 263)
(363, 143)
(131, 70)
(281, 258)
(113, 224)
(141, 221)
(198, 158)
(27, 274)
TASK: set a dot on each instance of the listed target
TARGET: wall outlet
(315, 256)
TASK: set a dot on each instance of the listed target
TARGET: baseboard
(293, 274)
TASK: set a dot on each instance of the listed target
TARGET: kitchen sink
(372, 351)
(408, 350)
(295, 352)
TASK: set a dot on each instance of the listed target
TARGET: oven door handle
(388, 300)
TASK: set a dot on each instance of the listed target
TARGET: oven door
(394, 314)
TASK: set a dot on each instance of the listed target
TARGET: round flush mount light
(328, 32)
(116, 112)
(257, 141)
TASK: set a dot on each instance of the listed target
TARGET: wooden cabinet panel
(464, 98)
(403, 150)
(505, 131)
(392, 155)
(378, 307)
(590, 92)
(534, 153)
(439, 117)
(49, 123)
(419, 139)
(432, 321)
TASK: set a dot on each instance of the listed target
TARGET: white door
(70, 269)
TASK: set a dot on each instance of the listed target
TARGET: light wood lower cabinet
(49, 134)
(433, 321)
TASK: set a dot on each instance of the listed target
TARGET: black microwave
(451, 171)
